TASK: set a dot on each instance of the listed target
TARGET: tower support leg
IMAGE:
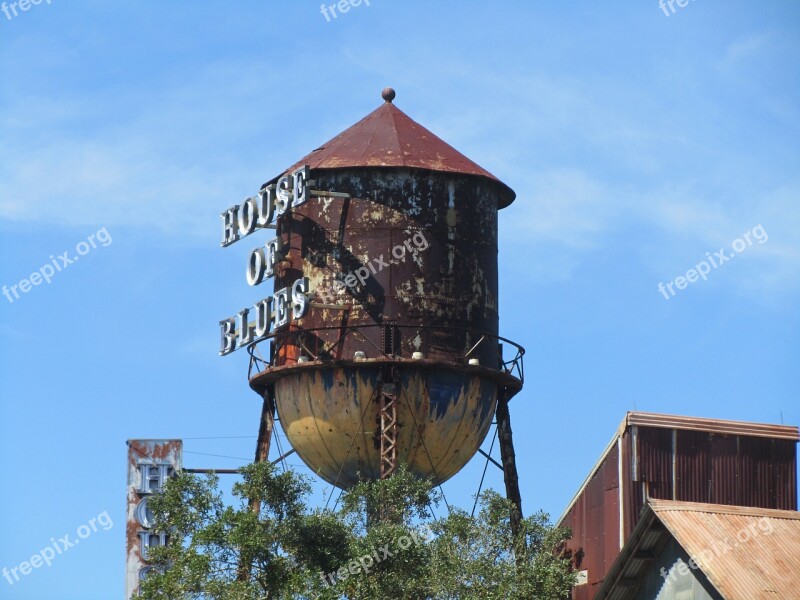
(266, 426)
(509, 460)
(262, 455)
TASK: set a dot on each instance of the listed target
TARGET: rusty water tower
(396, 357)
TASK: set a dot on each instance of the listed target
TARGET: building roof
(657, 420)
(724, 427)
(750, 553)
(387, 137)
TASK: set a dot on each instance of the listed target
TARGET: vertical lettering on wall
(150, 465)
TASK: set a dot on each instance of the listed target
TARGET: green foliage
(478, 558)
(383, 543)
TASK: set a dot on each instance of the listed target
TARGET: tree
(383, 543)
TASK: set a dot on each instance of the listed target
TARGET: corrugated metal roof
(781, 432)
(746, 553)
(756, 551)
(387, 137)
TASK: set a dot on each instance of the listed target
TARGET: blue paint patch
(444, 389)
(488, 395)
(327, 378)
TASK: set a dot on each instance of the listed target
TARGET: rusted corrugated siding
(784, 459)
(693, 467)
(768, 473)
(611, 503)
(594, 520)
(736, 470)
(655, 461)
(630, 489)
(755, 486)
(724, 469)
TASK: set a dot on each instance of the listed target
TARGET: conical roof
(388, 137)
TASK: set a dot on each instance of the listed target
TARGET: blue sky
(636, 142)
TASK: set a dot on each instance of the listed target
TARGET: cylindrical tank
(403, 300)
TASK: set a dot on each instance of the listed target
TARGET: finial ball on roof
(388, 94)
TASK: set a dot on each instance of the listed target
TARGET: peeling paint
(440, 303)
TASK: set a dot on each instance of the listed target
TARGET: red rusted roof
(387, 137)
(746, 553)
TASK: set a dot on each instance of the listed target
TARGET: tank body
(403, 288)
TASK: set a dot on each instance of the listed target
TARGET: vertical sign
(150, 464)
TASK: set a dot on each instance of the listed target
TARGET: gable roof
(750, 553)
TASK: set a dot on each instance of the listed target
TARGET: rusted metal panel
(784, 459)
(594, 520)
(736, 470)
(755, 487)
(693, 467)
(725, 476)
(426, 245)
(150, 463)
(655, 461)
(610, 539)
(331, 418)
(611, 470)
(594, 548)
(387, 137)
(448, 277)
(630, 506)
(768, 473)
(582, 592)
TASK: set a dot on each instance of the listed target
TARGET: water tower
(394, 356)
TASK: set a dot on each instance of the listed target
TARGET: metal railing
(322, 349)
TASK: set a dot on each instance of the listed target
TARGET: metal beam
(216, 471)
(490, 459)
